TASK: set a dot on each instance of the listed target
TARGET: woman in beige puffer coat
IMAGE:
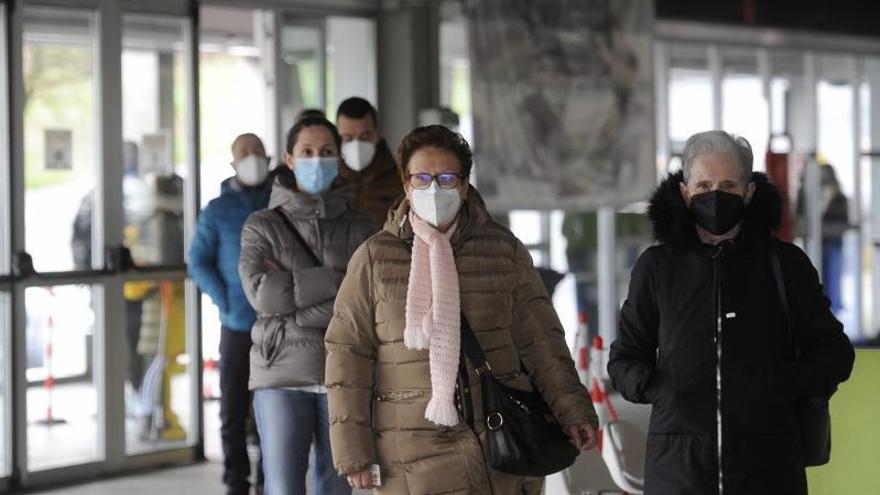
(380, 386)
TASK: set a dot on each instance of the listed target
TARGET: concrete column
(409, 67)
(166, 99)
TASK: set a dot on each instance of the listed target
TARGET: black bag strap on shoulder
(472, 348)
(776, 265)
(299, 238)
(812, 413)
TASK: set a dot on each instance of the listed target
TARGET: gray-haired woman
(393, 345)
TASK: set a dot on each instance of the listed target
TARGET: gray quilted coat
(294, 305)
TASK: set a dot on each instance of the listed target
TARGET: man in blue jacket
(213, 264)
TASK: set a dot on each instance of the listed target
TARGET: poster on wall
(59, 149)
(562, 102)
(156, 154)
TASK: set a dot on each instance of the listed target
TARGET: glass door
(5, 285)
(839, 187)
(92, 274)
(60, 163)
(158, 401)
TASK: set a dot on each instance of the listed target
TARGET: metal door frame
(109, 364)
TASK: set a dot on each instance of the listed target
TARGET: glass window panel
(526, 225)
(835, 153)
(744, 109)
(302, 56)
(690, 93)
(351, 60)
(4, 250)
(158, 388)
(789, 104)
(789, 99)
(871, 199)
(4, 147)
(154, 137)
(60, 125)
(231, 62)
(62, 401)
(537, 257)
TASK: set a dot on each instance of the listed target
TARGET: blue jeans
(832, 271)
(288, 421)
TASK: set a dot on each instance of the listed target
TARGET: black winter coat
(669, 351)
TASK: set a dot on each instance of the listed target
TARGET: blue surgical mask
(314, 175)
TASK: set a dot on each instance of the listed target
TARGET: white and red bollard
(49, 380)
(582, 348)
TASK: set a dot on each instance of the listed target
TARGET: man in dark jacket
(213, 264)
(369, 163)
(703, 335)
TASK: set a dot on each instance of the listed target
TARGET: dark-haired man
(369, 163)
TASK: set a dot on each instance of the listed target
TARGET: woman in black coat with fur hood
(703, 335)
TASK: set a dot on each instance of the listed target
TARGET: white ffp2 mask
(436, 205)
(358, 154)
(252, 170)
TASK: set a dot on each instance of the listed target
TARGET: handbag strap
(299, 238)
(776, 265)
(472, 348)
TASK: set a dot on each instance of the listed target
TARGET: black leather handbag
(523, 436)
(813, 415)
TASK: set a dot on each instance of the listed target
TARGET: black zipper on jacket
(717, 283)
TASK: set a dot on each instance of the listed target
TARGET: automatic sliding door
(60, 161)
(5, 300)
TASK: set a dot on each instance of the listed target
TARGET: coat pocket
(401, 396)
(273, 340)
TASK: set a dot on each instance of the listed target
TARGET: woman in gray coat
(293, 259)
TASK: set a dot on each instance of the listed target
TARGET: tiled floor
(200, 479)
(589, 475)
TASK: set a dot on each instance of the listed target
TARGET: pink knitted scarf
(433, 320)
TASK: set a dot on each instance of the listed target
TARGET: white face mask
(252, 170)
(435, 205)
(358, 154)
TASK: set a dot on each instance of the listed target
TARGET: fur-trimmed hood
(674, 224)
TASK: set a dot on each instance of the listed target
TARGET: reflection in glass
(62, 402)
(154, 135)
(60, 122)
(302, 55)
(157, 383)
